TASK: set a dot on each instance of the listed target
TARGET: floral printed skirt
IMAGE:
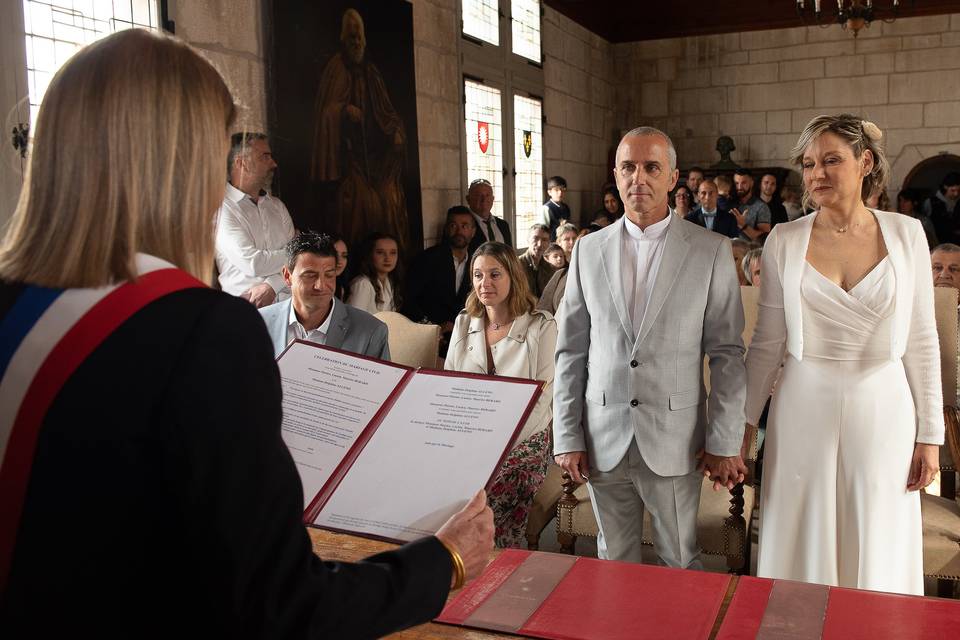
(513, 488)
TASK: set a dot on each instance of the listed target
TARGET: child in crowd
(555, 256)
(555, 210)
(377, 287)
(724, 187)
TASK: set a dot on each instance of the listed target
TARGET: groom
(645, 299)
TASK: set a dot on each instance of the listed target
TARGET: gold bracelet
(459, 571)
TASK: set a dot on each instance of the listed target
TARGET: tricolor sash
(45, 336)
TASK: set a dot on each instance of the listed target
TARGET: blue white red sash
(44, 337)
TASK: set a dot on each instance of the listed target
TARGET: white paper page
(328, 399)
(439, 444)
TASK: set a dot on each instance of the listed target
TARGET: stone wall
(580, 129)
(761, 88)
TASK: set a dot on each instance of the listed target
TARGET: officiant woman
(145, 490)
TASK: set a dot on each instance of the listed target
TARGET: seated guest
(566, 238)
(740, 249)
(878, 199)
(171, 411)
(342, 259)
(553, 292)
(909, 204)
(490, 228)
(790, 196)
(500, 333)
(601, 218)
(252, 225)
(555, 210)
(750, 265)
(312, 312)
(943, 210)
(440, 276)
(682, 200)
(538, 271)
(710, 216)
(377, 288)
(555, 256)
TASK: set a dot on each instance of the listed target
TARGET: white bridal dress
(834, 507)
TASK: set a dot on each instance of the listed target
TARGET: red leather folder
(549, 595)
(772, 609)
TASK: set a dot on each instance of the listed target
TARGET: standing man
(770, 194)
(942, 209)
(490, 228)
(538, 270)
(646, 298)
(252, 226)
(440, 277)
(694, 178)
(753, 214)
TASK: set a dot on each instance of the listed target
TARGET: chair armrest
(568, 500)
(951, 420)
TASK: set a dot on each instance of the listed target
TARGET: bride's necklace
(839, 229)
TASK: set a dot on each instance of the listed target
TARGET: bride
(855, 421)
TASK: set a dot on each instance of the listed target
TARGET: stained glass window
(484, 138)
(526, 28)
(528, 162)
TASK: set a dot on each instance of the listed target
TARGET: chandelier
(852, 15)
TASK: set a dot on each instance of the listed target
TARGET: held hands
(575, 464)
(260, 295)
(724, 471)
(924, 466)
(470, 533)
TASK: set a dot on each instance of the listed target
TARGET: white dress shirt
(709, 218)
(482, 227)
(296, 331)
(364, 297)
(459, 268)
(644, 250)
(250, 240)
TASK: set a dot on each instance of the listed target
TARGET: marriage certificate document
(391, 452)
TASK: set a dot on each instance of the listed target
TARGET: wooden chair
(544, 506)
(941, 514)
(411, 343)
(724, 517)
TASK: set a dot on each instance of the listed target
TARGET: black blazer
(432, 292)
(161, 464)
(725, 222)
(481, 235)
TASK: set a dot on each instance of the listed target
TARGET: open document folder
(388, 451)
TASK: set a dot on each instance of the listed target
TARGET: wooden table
(335, 546)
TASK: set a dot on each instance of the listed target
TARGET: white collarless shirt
(642, 252)
(250, 241)
(295, 330)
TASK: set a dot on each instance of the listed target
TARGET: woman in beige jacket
(501, 333)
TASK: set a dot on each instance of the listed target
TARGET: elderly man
(312, 312)
(709, 214)
(490, 228)
(538, 270)
(753, 214)
(945, 261)
(646, 298)
(252, 225)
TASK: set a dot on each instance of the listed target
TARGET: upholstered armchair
(411, 343)
(723, 522)
(941, 514)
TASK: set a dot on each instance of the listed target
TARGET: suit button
(634, 363)
(634, 402)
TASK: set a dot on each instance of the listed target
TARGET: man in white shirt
(645, 299)
(252, 225)
(490, 228)
(313, 313)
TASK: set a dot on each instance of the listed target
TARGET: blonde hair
(127, 157)
(860, 135)
(520, 299)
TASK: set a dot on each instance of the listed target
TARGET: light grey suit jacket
(351, 330)
(612, 385)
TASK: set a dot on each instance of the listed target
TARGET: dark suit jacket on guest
(432, 292)
(537, 277)
(481, 235)
(725, 223)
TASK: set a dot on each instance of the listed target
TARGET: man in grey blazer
(312, 312)
(645, 299)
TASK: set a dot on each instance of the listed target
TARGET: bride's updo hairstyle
(861, 135)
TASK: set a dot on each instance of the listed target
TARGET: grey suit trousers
(619, 497)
